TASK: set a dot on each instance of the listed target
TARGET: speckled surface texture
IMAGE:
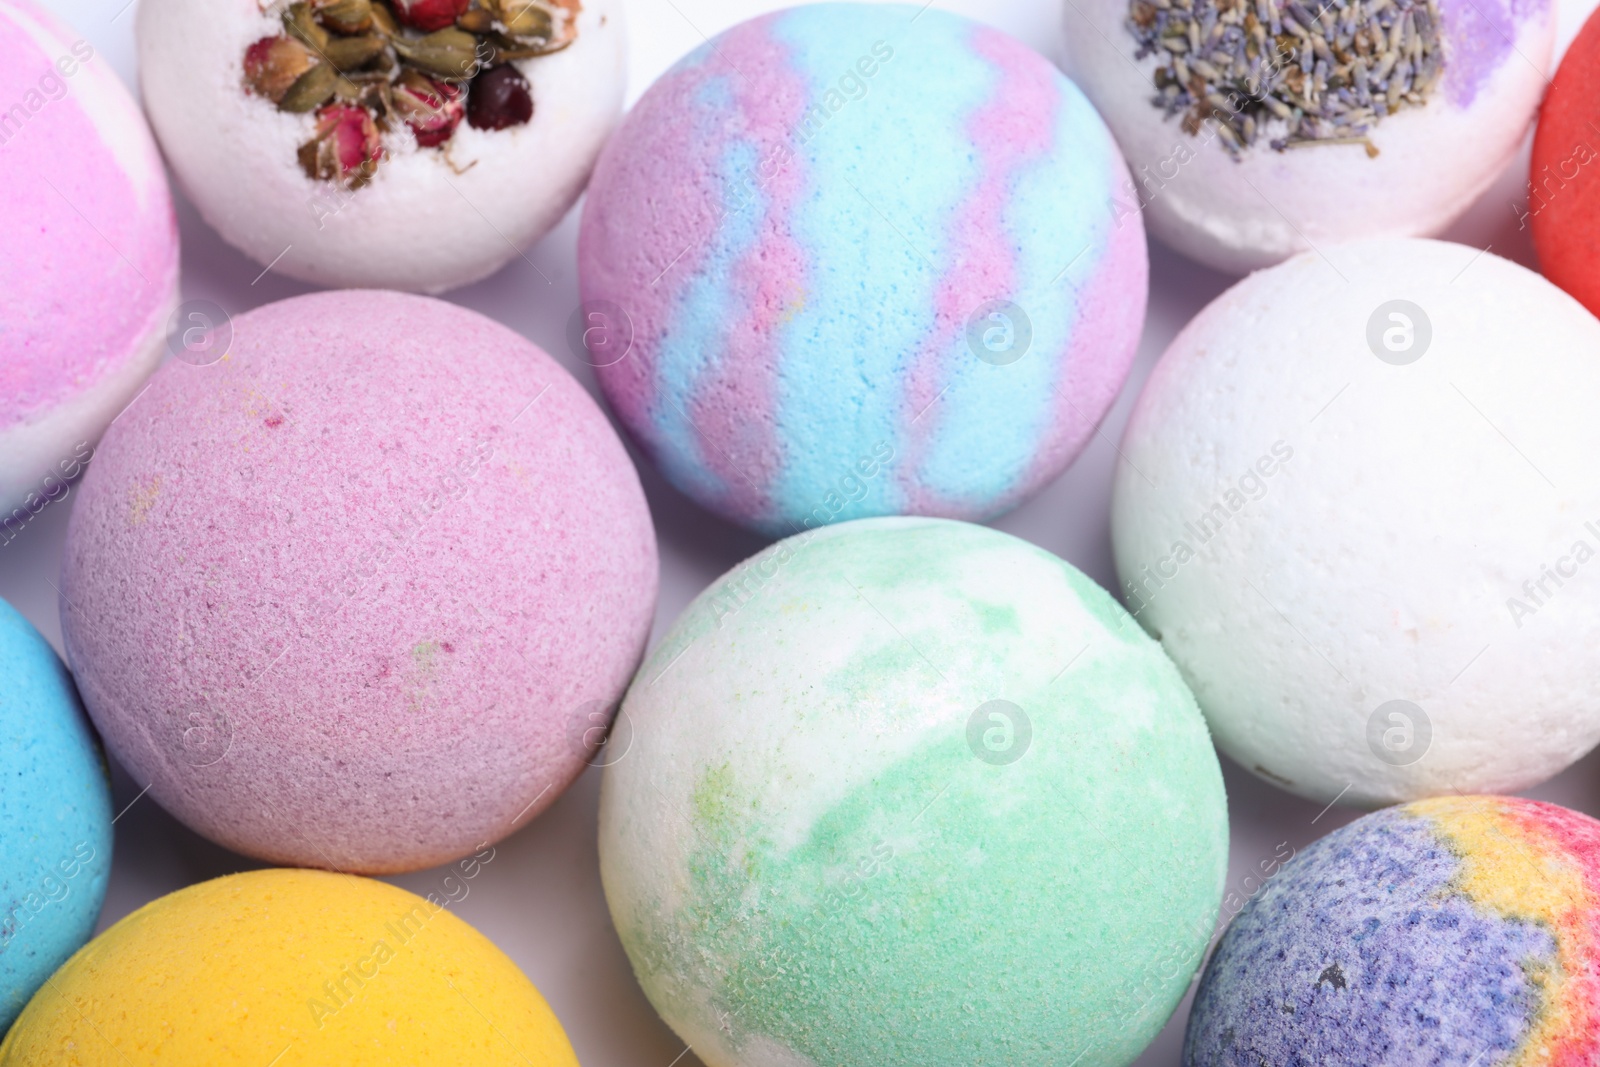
(1563, 200)
(291, 969)
(349, 597)
(88, 253)
(819, 850)
(1452, 931)
(55, 815)
(805, 222)
(1317, 527)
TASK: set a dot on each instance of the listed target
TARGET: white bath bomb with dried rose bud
(377, 170)
(1256, 129)
(1359, 511)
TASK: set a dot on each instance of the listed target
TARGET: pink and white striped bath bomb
(363, 594)
(88, 257)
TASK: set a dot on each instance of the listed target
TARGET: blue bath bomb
(55, 815)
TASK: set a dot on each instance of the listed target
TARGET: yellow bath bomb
(287, 968)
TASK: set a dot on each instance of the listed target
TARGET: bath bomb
(416, 145)
(55, 816)
(855, 259)
(364, 594)
(1259, 129)
(1364, 531)
(1563, 202)
(1457, 930)
(307, 966)
(906, 791)
(89, 257)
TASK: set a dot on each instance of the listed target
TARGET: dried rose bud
(432, 109)
(346, 149)
(346, 16)
(430, 15)
(273, 64)
(527, 18)
(499, 99)
(479, 21)
(447, 53)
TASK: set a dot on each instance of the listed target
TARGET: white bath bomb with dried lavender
(402, 144)
(1359, 510)
(1256, 129)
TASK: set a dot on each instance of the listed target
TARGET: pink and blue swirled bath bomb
(1460, 930)
(850, 260)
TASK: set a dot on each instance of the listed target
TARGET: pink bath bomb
(364, 594)
(88, 257)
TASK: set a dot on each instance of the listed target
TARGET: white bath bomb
(1256, 129)
(1359, 510)
(391, 209)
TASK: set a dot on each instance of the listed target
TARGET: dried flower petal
(448, 53)
(384, 22)
(499, 99)
(478, 20)
(300, 22)
(346, 148)
(273, 64)
(353, 53)
(430, 15)
(432, 109)
(311, 90)
(526, 18)
(365, 66)
(346, 16)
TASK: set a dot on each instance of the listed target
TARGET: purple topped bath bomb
(363, 594)
(1257, 130)
(851, 260)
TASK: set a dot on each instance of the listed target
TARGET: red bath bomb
(1564, 180)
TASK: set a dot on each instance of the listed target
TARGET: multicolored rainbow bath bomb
(55, 816)
(363, 594)
(851, 260)
(908, 791)
(88, 256)
(309, 967)
(1463, 930)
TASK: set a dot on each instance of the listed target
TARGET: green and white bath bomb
(912, 791)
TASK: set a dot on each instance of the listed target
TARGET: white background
(540, 898)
